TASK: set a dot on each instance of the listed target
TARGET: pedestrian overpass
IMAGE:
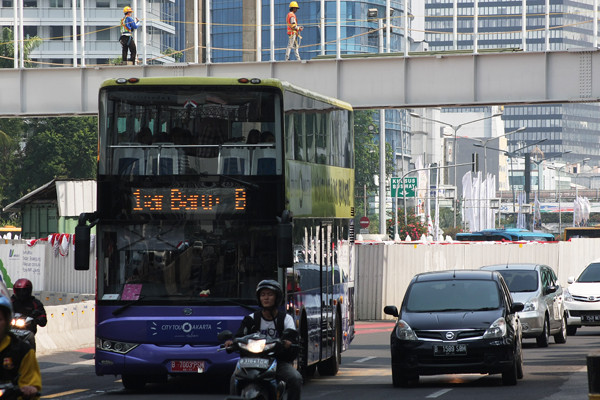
(378, 81)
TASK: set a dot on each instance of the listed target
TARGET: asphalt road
(556, 372)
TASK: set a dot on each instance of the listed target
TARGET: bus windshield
(187, 130)
(182, 261)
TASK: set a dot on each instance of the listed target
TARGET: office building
(566, 127)
(53, 22)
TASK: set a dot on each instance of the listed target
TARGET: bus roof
(195, 80)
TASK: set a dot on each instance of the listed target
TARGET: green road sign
(409, 189)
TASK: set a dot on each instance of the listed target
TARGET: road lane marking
(66, 367)
(364, 359)
(438, 393)
(55, 395)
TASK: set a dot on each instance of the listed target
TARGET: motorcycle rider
(24, 303)
(18, 362)
(271, 322)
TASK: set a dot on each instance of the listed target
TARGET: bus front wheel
(331, 366)
(133, 382)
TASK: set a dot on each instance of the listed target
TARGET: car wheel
(401, 378)
(520, 364)
(544, 338)
(561, 336)
(510, 376)
(571, 330)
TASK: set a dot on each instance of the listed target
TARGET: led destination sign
(189, 200)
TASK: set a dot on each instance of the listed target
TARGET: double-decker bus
(207, 186)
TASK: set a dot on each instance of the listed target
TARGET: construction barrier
(69, 327)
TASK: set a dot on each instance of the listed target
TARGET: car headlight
(496, 330)
(114, 346)
(531, 305)
(404, 331)
(567, 295)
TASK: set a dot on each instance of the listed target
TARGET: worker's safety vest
(125, 30)
(292, 23)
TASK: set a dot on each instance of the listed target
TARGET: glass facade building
(566, 127)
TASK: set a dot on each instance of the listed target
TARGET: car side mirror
(550, 289)
(391, 310)
(570, 279)
(516, 307)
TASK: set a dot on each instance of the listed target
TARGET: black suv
(461, 321)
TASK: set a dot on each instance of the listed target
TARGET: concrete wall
(384, 269)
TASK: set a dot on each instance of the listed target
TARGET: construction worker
(293, 31)
(128, 25)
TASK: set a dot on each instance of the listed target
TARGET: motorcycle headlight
(404, 331)
(114, 346)
(531, 305)
(18, 323)
(567, 294)
(496, 330)
(254, 345)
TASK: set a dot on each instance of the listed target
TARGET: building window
(30, 3)
(30, 31)
(102, 3)
(103, 33)
(56, 4)
(56, 33)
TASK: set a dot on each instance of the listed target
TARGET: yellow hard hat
(294, 4)
(127, 10)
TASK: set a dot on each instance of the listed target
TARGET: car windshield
(590, 274)
(452, 295)
(520, 280)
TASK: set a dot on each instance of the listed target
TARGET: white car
(582, 299)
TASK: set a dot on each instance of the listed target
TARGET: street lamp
(558, 194)
(455, 129)
(484, 143)
(541, 160)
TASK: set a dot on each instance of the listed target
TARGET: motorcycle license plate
(254, 363)
(187, 366)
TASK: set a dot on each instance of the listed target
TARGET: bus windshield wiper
(240, 181)
(126, 306)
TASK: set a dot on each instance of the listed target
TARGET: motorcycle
(19, 326)
(254, 375)
(9, 391)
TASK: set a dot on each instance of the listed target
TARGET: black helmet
(22, 289)
(274, 286)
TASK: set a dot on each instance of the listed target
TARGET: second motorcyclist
(24, 303)
(270, 322)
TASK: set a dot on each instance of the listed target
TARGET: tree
(366, 160)
(56, 147)
(7, 53)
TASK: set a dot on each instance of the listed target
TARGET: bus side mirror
(285, 251)
(82, 241)
(82, 248)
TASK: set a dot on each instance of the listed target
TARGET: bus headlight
(114, 346)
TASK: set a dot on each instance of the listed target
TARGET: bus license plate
(450, 350)
(187, 366)
(254, 363)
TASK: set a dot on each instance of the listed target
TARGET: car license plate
(187, 366)
(450, 350)
(590, 318)
(254, 363)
